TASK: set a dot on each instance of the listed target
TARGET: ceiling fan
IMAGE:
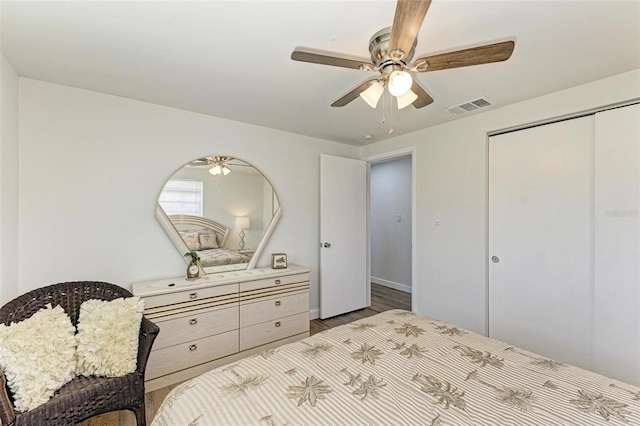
(219, 164)
(392, 50)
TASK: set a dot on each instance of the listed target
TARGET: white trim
(570, 116)
(410, 150)
(314, 314)
(368, 286)
(396, 286)
(391, 154)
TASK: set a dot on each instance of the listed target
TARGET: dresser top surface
(171, 285)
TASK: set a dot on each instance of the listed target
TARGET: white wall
(8, 181)
(390, 200)
(451, 181)
(91, 168)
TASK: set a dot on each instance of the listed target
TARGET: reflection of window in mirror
(182, 197)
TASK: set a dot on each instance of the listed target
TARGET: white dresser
(220, 318)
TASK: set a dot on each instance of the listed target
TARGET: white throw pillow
(38, 356)
(108, 336)
(208, 241)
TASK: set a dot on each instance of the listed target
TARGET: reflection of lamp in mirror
(242, 223)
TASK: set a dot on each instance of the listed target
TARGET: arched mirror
(221, 207)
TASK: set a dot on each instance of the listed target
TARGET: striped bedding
(399, 368)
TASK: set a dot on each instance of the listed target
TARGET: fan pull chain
(390, 114)
(384, 120)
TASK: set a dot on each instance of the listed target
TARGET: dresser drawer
(174, 358)
(195, 325)
(270, 331)
(269, 282)
(252, 313)
(194, 295)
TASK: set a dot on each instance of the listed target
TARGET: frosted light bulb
(399, 83)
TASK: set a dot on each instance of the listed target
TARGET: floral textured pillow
(38, 356)
(191, 240)
(108, 333)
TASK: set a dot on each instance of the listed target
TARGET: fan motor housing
(379, 46)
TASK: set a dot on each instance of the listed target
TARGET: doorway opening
(391, 229)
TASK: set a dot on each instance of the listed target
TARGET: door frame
(378, 158)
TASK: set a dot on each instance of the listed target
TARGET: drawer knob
(193, 295)
(193, 347)
(193, 321)
(278, 303)
(278, 324)
(277, 282)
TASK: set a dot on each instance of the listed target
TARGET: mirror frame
(174, 235)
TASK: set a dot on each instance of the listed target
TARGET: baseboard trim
(396, 286)
(314, 314)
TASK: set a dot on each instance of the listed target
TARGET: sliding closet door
(541, 239)
(616, 348)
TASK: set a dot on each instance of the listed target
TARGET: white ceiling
(231, 59)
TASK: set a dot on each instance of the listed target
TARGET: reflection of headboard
(184, 222)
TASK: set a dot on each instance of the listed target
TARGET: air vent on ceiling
(482, 102)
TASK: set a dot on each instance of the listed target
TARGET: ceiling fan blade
(406, 26)
(486, 54)
(204, 161)
(353, 94)
(423, 97)
(330, 58)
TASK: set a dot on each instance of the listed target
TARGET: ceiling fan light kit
(373, 94)
(400, 83)
(407, 99)
(391, 49)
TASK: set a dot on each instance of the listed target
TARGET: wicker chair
(83, 397)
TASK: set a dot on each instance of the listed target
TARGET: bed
(221, 256)
(207, 238)
(399, 368)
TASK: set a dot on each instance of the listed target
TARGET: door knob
(326, 245)
(495, 259)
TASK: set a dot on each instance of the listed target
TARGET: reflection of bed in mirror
(207, 238)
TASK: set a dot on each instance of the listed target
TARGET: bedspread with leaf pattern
(399, 368)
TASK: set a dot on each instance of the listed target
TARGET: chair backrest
(69, 295)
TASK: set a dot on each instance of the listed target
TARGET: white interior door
(541, 239)
(343, 235)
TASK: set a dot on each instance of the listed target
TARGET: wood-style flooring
(382, 299)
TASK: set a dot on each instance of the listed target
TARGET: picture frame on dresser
(278, 260)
